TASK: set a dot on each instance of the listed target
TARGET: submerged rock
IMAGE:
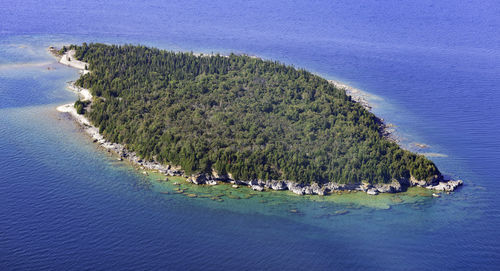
(396, 200)
(341, 212)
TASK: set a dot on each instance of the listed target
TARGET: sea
(431, 69)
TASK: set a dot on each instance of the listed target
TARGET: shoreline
(358, 96)
(361, 97)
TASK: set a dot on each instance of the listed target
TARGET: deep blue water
(433, 69)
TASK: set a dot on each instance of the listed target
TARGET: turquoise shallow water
(65, 204)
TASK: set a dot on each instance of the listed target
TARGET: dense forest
(236, 114)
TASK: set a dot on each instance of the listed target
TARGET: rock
(364, 186)
(211, 182)
(396, 200)
(436, 195)
(383, 188)
(372, 191)
(341, 212)
(256, 182)
(315, 188)
(296, 189)
(307, 190)
(172, 172)
(234, 186)
(197, 179)
(257, 188)
(446, 186)
(421, 145)
(241, 182)
(278, 185)
(215, 174)
(393, 187)
(322, 191)
(415, 182)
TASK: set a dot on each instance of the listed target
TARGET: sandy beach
(69, 59)
(84, 95)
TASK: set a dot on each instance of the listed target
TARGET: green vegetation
(240, 115)
(80, 106)
(63, 50)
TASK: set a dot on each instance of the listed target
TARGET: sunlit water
(433, 70)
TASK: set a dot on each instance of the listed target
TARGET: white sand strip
(69, 59)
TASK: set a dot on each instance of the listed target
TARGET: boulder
(254, 182)
(332, 186)
(316, 188)
(211, 182)
(308, 190)
(364, 186)
(322, 191)
(372, 191)
(257, 188)
(198, 179)
(392, 187)
(415, 182)
(278, 185)
(296, 189)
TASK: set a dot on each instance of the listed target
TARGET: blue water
(433, 69)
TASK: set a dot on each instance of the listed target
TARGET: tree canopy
(236, 114)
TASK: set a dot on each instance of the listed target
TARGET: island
(237, 119)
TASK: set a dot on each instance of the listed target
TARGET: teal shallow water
(68, 205)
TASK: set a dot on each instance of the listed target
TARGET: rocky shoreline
(438, 183)
(395, 186)
(357, 95)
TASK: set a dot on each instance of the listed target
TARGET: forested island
(242, 119)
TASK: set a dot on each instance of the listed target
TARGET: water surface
(433, 70)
